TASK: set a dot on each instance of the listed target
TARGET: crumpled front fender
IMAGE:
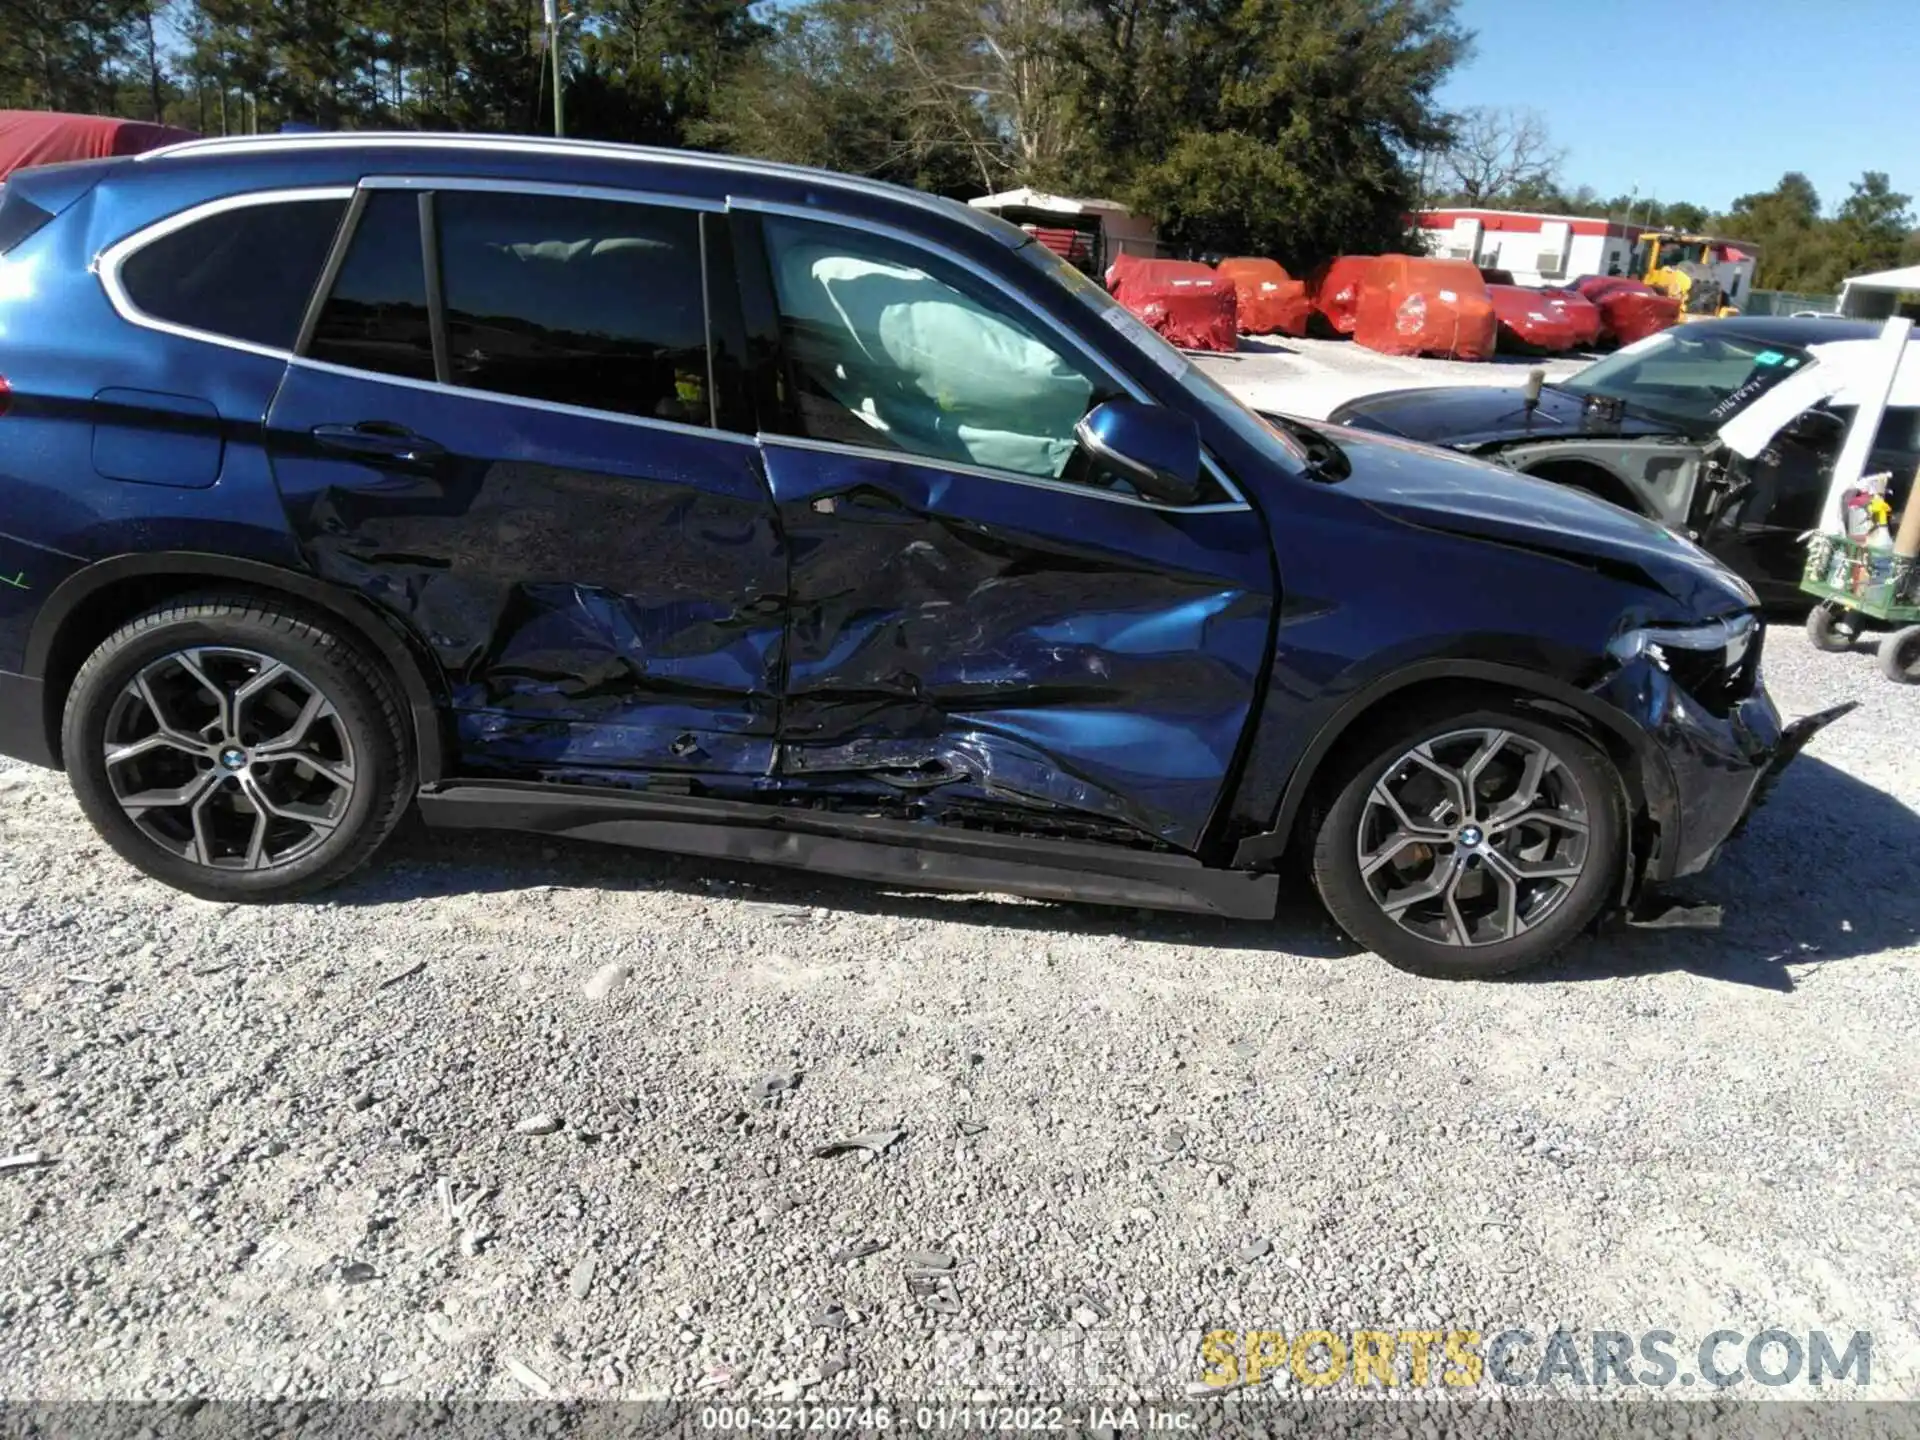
(1716, 768)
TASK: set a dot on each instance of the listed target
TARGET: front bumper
(1703, 773)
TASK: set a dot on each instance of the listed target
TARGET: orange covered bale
(1411, 305)
(1528, 323)
(1581, 314)
(1630, 310)
(1336, 288)
(1192, 305)
(1270, 301)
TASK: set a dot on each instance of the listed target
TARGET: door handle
(378, 439)
(867, 500)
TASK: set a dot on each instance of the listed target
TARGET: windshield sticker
(1768, 357)
(1739, 397)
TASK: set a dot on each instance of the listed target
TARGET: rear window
(377, 316)
(246, 274)
(19, 218)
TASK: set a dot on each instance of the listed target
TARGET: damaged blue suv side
(738, 510)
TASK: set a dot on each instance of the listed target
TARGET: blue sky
(1704, 100)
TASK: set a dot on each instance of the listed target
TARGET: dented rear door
(977, 620)
(520, 465)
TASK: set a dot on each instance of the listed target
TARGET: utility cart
(1867, 581)
(1862, 588)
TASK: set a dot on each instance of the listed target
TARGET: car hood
(1469, 416)
(1440, 490)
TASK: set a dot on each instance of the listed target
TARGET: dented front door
(1045, 649)
(981, 623)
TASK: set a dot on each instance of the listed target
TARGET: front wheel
(1471, 845)
(1831, 628)
(237, 749)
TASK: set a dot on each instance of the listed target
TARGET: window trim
(427, 228)
(107, 264)
(552, 407)
(1049, 332)
(330, 272)
(619, 196)
(1007, 477)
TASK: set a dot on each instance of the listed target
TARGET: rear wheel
(236, 749)
(1472, 844)
(1900, 656)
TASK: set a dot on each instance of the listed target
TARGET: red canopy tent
(46, 137)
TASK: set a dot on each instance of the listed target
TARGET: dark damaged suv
(737, 510)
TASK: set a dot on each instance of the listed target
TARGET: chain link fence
(1788, 302)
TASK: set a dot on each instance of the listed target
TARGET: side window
(584, 302)
(375, 317)
(19, 218)
(889, 347)
(246, 273)
(1899, 433)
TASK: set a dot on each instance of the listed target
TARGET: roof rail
(545, 145)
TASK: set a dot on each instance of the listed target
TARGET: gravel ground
(505, 1118)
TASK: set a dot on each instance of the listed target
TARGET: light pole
(553, 51)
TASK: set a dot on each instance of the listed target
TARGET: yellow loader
(1690, 269)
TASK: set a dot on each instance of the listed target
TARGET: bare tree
(1497, 151)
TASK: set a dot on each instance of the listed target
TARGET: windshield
(1190, 377)
(1693, 380)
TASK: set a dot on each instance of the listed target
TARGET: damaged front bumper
(1705, 770)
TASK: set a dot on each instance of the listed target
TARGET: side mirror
(1155, 448)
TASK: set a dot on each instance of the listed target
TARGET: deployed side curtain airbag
(922, 363)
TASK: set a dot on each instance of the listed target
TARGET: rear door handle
(869, 501)
(378, 439)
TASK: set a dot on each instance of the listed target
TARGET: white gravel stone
(1733, 1109)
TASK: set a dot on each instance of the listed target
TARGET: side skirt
(889, 851)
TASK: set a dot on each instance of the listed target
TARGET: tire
(238, 748)
(1900, 656)
(1828, 629)
(1509, 918)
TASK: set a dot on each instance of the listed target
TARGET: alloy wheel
(229, 758)
(1474, 837)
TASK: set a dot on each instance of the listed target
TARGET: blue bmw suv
(740, 510)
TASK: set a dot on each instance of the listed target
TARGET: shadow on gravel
(1258, 345)
(419, 863)
(1828, 870)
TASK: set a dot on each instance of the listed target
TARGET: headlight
(1717, 663)
(1731, 638)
